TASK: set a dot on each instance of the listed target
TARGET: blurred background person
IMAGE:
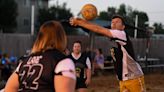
(83, 67)
(99, 61)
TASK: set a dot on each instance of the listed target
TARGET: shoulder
(118, 34)
(84, 54)
(64, 64)
(66, 68)
(55, 54)
(70, 55)
(23, 59)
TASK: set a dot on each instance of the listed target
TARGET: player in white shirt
(127, 69)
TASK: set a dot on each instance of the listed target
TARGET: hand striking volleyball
(89, 12)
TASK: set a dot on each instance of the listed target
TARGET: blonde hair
(51, 36)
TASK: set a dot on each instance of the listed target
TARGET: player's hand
(74, 21)
(87, 82)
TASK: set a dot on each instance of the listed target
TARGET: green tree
(142, 18)
(111, 11)
(129, 15)
(103, 15)
(54, 13)
(58, 13)
(122, 10)
(142, 22)
(8, 9)
(158, 28)
(107, 15)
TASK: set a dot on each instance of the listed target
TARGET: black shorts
(80, 83)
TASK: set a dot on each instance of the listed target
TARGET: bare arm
(88, 74)
(64, 84)
(12, 83)
(66, 81)
(90, 26)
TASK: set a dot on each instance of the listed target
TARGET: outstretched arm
(90, 26)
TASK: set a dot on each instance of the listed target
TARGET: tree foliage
(8, 9)
(103, 15)
(158, 28)
(59, 13)
(107, 15)
(54, 13)
(122, 10)
(129, 15)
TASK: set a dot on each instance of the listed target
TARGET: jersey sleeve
(120, 35)
(18, 67)
(88, 63)
(66, 67)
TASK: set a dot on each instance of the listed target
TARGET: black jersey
(80, 65)
(36, 72)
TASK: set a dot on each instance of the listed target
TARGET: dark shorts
(80, 83)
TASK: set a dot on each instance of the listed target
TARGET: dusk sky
(154, 8)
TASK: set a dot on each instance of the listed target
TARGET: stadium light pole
(32, 17)
(136, 25)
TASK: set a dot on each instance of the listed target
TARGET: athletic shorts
(133, 85)
(80, 83)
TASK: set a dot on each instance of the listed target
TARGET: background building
(24, 14)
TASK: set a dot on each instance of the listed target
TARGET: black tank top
(80, 65)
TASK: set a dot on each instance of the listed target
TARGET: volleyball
(89, 12)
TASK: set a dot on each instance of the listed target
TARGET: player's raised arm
(89, 12)
(90, 26)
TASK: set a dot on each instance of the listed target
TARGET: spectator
(99, 61)
(99, 58)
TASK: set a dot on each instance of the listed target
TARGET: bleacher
(150, 65)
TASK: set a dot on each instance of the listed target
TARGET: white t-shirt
(67, 68)
(130, 68)
(120, 35)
